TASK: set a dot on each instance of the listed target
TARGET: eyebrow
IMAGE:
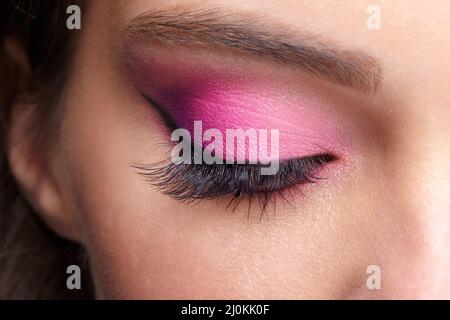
(246, 33)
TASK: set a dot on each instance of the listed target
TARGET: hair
(33, 259)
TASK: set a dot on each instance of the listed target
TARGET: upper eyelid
(171, 124)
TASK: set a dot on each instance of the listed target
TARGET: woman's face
(375, 100)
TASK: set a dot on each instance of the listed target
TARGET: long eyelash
(193, 182)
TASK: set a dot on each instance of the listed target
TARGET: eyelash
(195, 182)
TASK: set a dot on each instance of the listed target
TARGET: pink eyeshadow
(307, 123)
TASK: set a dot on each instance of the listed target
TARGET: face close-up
(355, 94)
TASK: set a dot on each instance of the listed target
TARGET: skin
(386, 204)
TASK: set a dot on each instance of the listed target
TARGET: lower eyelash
(194, 182)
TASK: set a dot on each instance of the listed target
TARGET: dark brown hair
(33, 260)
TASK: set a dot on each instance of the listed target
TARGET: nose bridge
(421, 166)
(433, 192)
(433, 197)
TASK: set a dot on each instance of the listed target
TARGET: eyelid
(305, 115)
